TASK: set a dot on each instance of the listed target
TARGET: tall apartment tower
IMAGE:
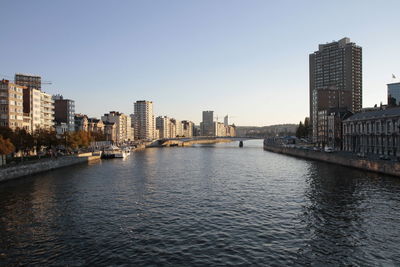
(207, 127)
(163, 124)
(144, 120)
(38, 105)
(335, 78)
(11, 111)
(64, 111)
(226, 121)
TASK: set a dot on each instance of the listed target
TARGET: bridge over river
(188, 141)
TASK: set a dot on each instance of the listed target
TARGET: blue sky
(248, 59)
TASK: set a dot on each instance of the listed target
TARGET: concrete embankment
(384, 167)
(29, 168)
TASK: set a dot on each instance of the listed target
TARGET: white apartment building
(163, 124)
(144, 121)
(124, 131)
(46, 111)
(11, 105)
(34, 108)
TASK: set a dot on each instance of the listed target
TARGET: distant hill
(265, 131)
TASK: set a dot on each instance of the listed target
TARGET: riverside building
(373, 132)
(64, 111)
(144, 121)
(46, 111)
(11, 105)
(124, 131)
(393, 93)
(36, 103)
(163, 125)
(335, 79)
(207, 126)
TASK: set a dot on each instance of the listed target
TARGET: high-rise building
(335, 79)
(64, 111)
(207, 126)
(163, 125)
(30, 81)
(226, 120)
(123, 125)
(36, 103)
(11, 105)
(393, 94)
(144, 120)
(46, 111)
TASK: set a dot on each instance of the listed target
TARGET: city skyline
(188, 57)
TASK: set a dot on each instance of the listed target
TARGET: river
(206, 205)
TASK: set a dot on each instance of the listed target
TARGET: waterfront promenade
(29, 168)
(341, 158)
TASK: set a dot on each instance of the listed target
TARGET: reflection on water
(202, 205)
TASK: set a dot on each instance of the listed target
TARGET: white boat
(120, 154)
(114, 152)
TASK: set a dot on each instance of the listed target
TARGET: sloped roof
(376, 114)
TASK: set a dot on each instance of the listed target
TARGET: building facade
(81, 122)
(144, 120)
(329, 131)
(336, 75)
(46, 111)
(187, 128)
(393, 93)
(373, 132)
(124, 131)
(11, 105)
(29, 81)
(163, 125)
(38, 104)
(95, 125)
(64, 112)
(110, 131)
(207, 126)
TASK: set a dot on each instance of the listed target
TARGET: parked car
(384, 157)
(361, 155)
(329, 149)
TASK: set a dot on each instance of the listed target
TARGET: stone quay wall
(29, 168)
(384, 167)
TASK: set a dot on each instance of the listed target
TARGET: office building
(11, 105)
(335, 79)
(393, 94)
(64, 111)
(144, 121)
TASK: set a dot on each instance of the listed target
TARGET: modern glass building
(393, 94)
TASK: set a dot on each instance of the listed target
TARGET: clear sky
(248, 59)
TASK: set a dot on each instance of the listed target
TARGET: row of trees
(303, 130)
(20, 140)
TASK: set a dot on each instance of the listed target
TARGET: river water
(210, 205)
